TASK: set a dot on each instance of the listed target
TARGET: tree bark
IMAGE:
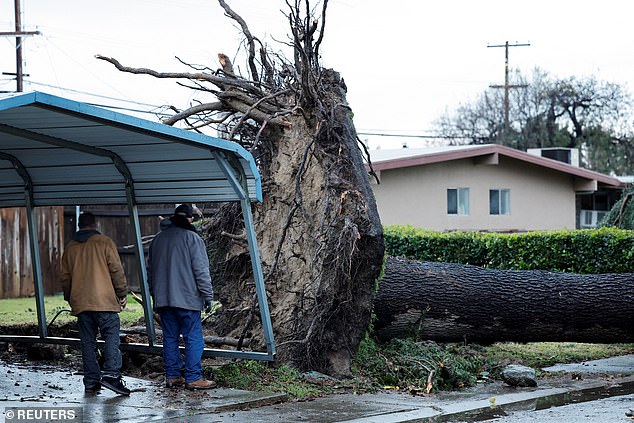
(460, 303)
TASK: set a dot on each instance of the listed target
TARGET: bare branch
(269, 71)
(227, 66)
(219, 81)
(257, 115)
(217, 106)
(241, 237)
(253, 107)
(191, 65)
(246, 99)
(250, 39)
(321, 31)
(367, 157)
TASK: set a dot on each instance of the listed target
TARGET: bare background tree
(320, 238)
(592, 115)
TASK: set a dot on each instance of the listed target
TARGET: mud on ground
(66, 357)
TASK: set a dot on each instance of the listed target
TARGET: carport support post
(145, 288)
(258, 276)
(36, 266)
(237, 178)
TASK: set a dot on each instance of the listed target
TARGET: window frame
(461, 198)
(503, 202)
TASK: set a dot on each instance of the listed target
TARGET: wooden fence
(16, 273)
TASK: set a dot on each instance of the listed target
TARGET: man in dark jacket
(180, 284)
(95, 286)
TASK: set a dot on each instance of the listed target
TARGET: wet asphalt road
(608, 410)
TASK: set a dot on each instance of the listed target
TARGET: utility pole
(18, 34)
(506, 85)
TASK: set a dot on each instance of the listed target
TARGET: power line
(108, 106)
(383, 134)
(129, 110)
(94, 95)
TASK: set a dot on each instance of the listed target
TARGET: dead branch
(196, 67)
(248, 100)
(321, 31)
(139, 300)
(247, 325)
(246, 115)
(223, 340)
(145, 240)
(227, 66)
(258, 115)
(269, 71)
(205, 107)
(369, 161)
(210, 340)
(250, 38)
(200, 76)
(240, 237)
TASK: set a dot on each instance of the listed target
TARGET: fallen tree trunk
(454, 303)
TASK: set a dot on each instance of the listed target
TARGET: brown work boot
(200, 384)
(174, 383)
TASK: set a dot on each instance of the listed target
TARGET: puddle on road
(556, 400)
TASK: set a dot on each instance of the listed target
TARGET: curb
(497, 405)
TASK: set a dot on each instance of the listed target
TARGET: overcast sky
(404, 61)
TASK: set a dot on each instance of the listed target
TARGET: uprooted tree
(319, 234)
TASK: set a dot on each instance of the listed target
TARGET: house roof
(485, 154)
(64, 152)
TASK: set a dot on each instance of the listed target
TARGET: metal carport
(57, 152)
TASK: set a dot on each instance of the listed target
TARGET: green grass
(23, 311)
(544, 354)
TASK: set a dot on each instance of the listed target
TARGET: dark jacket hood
(83, 235)
(182, 222)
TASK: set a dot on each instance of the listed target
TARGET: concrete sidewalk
(42, 386)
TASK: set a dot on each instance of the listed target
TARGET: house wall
(541, 199)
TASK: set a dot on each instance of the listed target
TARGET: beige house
(487, 188)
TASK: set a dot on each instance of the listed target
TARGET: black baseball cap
(184, 210)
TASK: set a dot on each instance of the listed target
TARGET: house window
(500, 201)
(458, 201)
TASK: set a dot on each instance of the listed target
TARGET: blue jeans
(176, 322)
(106, 322)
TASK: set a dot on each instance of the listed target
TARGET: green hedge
(604, 250)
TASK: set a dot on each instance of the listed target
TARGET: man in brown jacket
(95, 286)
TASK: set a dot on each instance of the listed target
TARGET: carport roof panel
(74, 154)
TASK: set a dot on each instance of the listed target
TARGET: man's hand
(208, 304)
(123, 302)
